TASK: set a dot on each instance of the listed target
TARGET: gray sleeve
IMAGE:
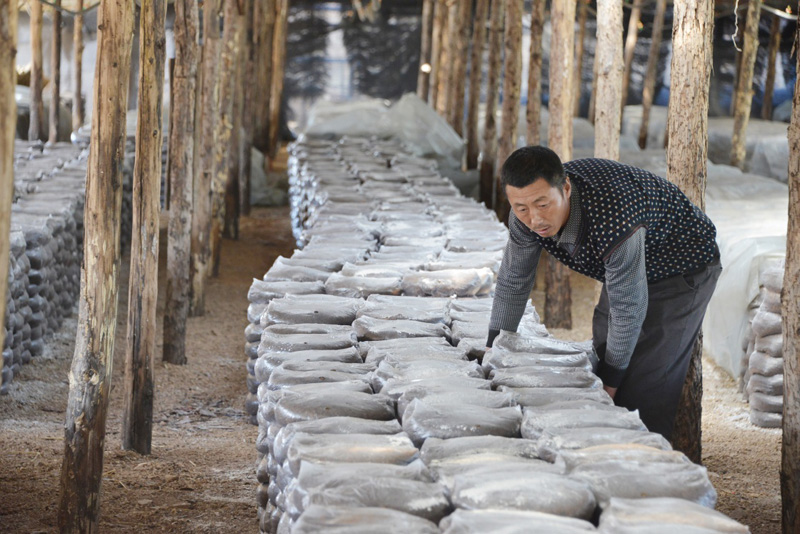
(626, 283)
(516, 277)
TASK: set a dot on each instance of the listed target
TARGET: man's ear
(567, 187)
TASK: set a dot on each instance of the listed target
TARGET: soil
(200, 476)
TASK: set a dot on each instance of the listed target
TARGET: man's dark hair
(528, 164)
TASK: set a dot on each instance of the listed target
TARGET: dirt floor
(200, 476)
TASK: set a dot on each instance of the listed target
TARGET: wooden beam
(489, 151)
(247, 113)
(55, 73)
(475, 75)
(137, 414)
(512, 80)
(36, 124)
(772, 55)
(424, 71)
(8, 108)
(460, 53)
(437, 36)
(743, 95)
(608, 114)
(630, 47)
(687, 154)
(264, 23)
(446, 60)
(278, 67)
(182, 157)
(558, 300)
(77, 89)
(583, 13)
(533, 111)
(648, 91)
(90, 374)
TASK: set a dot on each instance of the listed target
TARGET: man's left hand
(611, 391)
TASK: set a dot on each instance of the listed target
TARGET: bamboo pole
(90, 374)
(55, 73)
(201, 217)
(137, 415)
(475, 74)
(650, 78)
(558, 299)
(460, 54)
(790, 311)
(583, 13)
(278, 65)
(744, 87)
(630, 46)
(533, 111)
(687, 128)
(247, 113)
(182, 157)
(437, 35)
(424, 71)
(446, 60)
(512, 81)
(77, 40)
(489, 150)
(36, 124)
(769, 84)
(8, 108)
(609, 79)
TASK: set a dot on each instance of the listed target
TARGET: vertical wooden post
(558, 299)
(55, 73)
(460, 51)
(489, 149)
(235, 182)
(248, 107)
(424, 72)
(650, 78)
(77, 39)
(692, 31)
(790, 306)
(475, 74)
(583, 13)
(593, 97)
(90, 374)
(609, 79)
(8, 108)
(201, 217)
(769, 84)
(443, 100)
(744, 86)
(437, 38)
(137, 415)
(36, 125)
(278, 64)
(512, 81)
(182, 156)
(533, 111)
(264, 24)
(630, 47)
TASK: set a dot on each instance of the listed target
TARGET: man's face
(543, 209)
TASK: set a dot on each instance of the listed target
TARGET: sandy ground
(200, 476)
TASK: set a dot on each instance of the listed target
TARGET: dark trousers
(654, 379)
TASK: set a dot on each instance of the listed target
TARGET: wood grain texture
(583, 15)
(36, 124)
(743, 94)
(55, 74)
(264, 25)
(437, 33)
(631, 38)
(475, 75)
(77, 50)
(772, 55)
(278, 67)
(533, 110)
(608, 114)
(648, 89)
(489, 149)
(423, 78)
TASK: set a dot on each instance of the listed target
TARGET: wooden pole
(533, 111)
(593, 97)
(182, 156)
(55, 73)
(247, 113)
(630, 46)
(424, 72)
(583, 13)
(201, 217)
(234, 184)
(790, 307)
(8, 108)
(278, 64)
(90, 375)
(36, 125)
(609, 79)
(511, 92)
(460, 53)
(769, 84)
(264, 26)
(437, 37)
(475, 74)
(650, 78)
(446, 59)
(137, 415)
(489, 150)
(692, 31)
(744, 86)
(77, 40)
(558, 299)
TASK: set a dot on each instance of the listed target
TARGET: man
(654, 251)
